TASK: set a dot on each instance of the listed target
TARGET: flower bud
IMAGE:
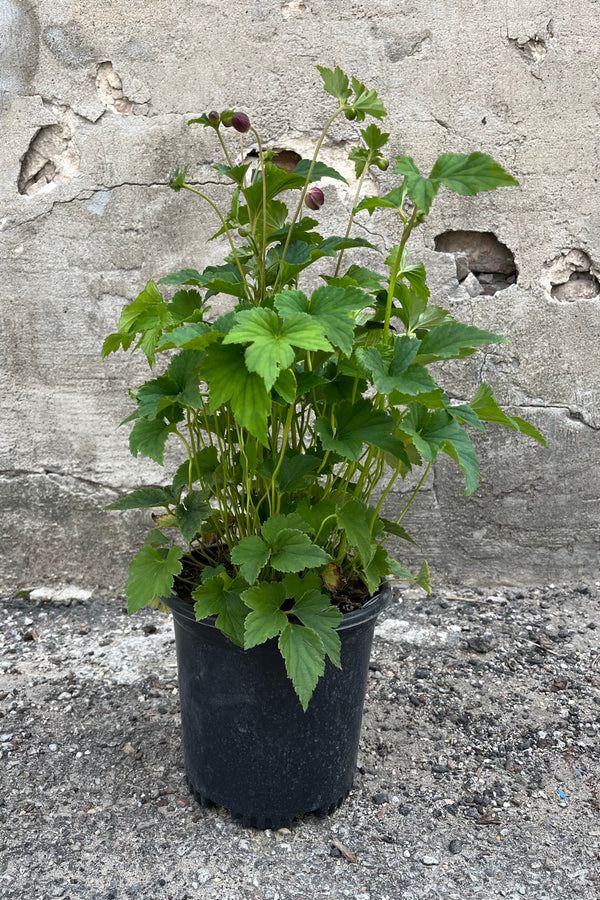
(214, 117)
(382, 163)
(315, 198)
(226, 117)
(240, 122)
(350, 114)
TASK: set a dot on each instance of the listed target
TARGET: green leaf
(295, 468)
(191, 513)
(251, 555)
(274, 525)
(145, 498)
(420, 190)
(486, 407)
(378, 569)
(150, 575)
(315, 611)
(286, 385)
(357, 424)
(114, 342)
(393, 368)
(354, 518)
(366, 102)
(423, 579)
(469, 174)
(224, 369)
(221, 597)
(196, 336)
(272, 341)
(374, 138)
(454, 340)
(184, 276)
(393, 200)
(396, 530)
(266, 619)
(330, 307)
(319, 170)
(148, 437)
(435, 432)
(186, 306)
(203, 466)
(304, 656)
(293, 551)
(335, 83)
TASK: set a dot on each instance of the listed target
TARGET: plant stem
(414, 494)
(263, 276)
(227, 232)
(304, 190)
(353, 212)
(225, 151)
(394, 274)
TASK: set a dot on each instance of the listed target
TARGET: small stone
(430, 861)
(455, 847)
(53, 747)
(129, 749)
(380, 799)
(472, 286)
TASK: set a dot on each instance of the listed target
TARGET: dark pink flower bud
(240, 122)
(214, 116)
(315, 198)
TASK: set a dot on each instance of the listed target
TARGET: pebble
(455, 846)
(430, 861)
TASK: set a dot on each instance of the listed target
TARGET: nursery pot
(248, 745)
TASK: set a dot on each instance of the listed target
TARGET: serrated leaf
(330, 307)
(378, 569)
(286, 385)
(295, 468)
(421, 190)
(274, 525)
(145, 498)
(304, 656)
(266, 619)
(224, 369)
(150, 575)
(356, 424)
(435, 432)
(221, 597)
(315, 611)
(251, 555)
(354, 518)
(335, 83)
(148, 437)
(453, 340)
(200, 467)
(396, 530)
(319, 170)
(393, 200)
(195, 336)
(293, 551)
(486, 407)
(374, 137)
(272, 340)
(366, 102)
(393, 368)
(191, 513)
(469, 174)
(114, 342)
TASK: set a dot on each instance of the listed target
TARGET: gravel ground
(478, 776)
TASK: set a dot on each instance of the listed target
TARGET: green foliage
(299, 408)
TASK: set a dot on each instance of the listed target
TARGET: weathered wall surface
(92, 122)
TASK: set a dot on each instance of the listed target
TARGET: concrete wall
(92, 122)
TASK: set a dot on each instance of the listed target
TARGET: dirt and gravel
(478, 775)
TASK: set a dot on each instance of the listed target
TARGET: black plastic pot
(248, 745)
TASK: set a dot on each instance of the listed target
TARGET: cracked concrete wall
(93, 103)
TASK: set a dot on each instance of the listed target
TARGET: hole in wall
(571, 277)
(484, 265)
(52, 157)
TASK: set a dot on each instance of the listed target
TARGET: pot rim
(370, 610)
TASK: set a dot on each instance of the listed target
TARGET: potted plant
(297, 410)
